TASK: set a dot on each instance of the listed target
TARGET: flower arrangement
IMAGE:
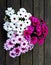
(23, 31)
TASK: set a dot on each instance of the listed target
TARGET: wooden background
(39, 55)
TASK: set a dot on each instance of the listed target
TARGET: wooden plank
(15, 4)
(26, 59)
(48, 40)
(38, 52)
(2, 34)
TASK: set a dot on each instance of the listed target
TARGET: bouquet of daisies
(23, 31)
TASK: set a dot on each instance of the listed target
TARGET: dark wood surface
(39, 55)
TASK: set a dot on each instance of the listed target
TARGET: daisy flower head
(10, 28)
(9, 11)
(35, 21)
(13, 40)
(6, 25)
(22, 10)
(34, 40)
(14, 26)
(24, 43)
(14, 18)
(41, 41)
(27, 15)
(23, 50)
(8, 45)
(21, 25)
(38, 28)
(12, 54)
(30, 28)
(27, 34)
(19, 32)
(27, 22)
(30, 46)
(20, 39)
(20, 15)
(10, 34)
(17, 51)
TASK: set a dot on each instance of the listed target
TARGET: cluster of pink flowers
(17, 45)
(23, 32)
(37, 31)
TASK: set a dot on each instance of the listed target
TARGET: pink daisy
(13, 40)
(19, 39)
(23, 50)
(24, 43)
(12, 54)
(17, 51)
(31, 46)
(8, 45)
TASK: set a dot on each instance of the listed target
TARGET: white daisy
(27, 22)
(14, 26)
(10, 34)
(6, 25)
(22, 10)
(21, 25)
(27, 16)
(9, 11)
(14, 18)
(19, 32)
(10, 27)
(20, 14)
(13, 40)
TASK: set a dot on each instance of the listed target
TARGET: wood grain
(48, 40)
(2, 33)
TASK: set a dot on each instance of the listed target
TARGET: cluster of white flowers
(15, 26)
(19, 21)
